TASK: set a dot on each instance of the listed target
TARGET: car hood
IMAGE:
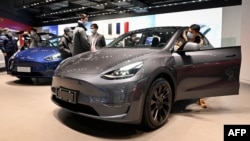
(36, 54)
(102, 60)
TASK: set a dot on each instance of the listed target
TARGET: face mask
(70, 34)
(32, 33)
(190, 35)
(85, 23)
(93, 31)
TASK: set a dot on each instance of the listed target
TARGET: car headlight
(124, 72)
(53, 57)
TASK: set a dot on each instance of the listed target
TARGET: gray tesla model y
(139, 75)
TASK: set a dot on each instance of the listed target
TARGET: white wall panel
(245, 42)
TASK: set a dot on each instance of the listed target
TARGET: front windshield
(47, 40)
(147, 38)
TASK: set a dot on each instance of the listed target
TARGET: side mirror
(191, 46)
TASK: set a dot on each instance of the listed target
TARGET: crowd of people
(79, 42)
(72, 42)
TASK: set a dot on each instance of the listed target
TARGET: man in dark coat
(65, 44)
(8, 45)
(80, 39)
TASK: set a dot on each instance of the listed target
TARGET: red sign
(13, 24)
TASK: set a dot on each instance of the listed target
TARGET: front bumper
(116, 101)
(32, 69)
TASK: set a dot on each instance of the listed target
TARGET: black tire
(158, 104)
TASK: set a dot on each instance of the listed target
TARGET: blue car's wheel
(158, 104)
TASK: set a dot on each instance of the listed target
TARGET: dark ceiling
(47, 12)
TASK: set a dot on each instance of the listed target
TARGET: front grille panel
(79, 108)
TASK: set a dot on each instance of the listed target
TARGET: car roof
(51, 36)
(156, 28)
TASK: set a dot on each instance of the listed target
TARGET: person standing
(80, 39)
(65, 44)
(192, 34)
(96, 40)
(8, 45)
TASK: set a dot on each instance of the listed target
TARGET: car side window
(130, 40)
(206, 44)
(156, 39)
(181, 41)
(150, 39)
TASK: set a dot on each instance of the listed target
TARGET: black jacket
(80, 40)
(8, 44)
(65, 46)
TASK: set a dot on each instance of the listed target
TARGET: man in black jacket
(8, 45)
(65, 44)
(80, 39)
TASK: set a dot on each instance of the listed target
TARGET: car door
(207, 73)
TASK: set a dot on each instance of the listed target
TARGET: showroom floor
(27, 114)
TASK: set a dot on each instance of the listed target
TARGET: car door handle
(233, 55)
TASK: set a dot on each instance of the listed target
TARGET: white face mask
(70, 34)
(83, 22)
(93, 31)
(190, 35)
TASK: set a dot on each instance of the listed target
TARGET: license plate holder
(67, 95)
(23, 69)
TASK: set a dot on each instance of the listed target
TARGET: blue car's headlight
(124, 72)
(53, 57)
